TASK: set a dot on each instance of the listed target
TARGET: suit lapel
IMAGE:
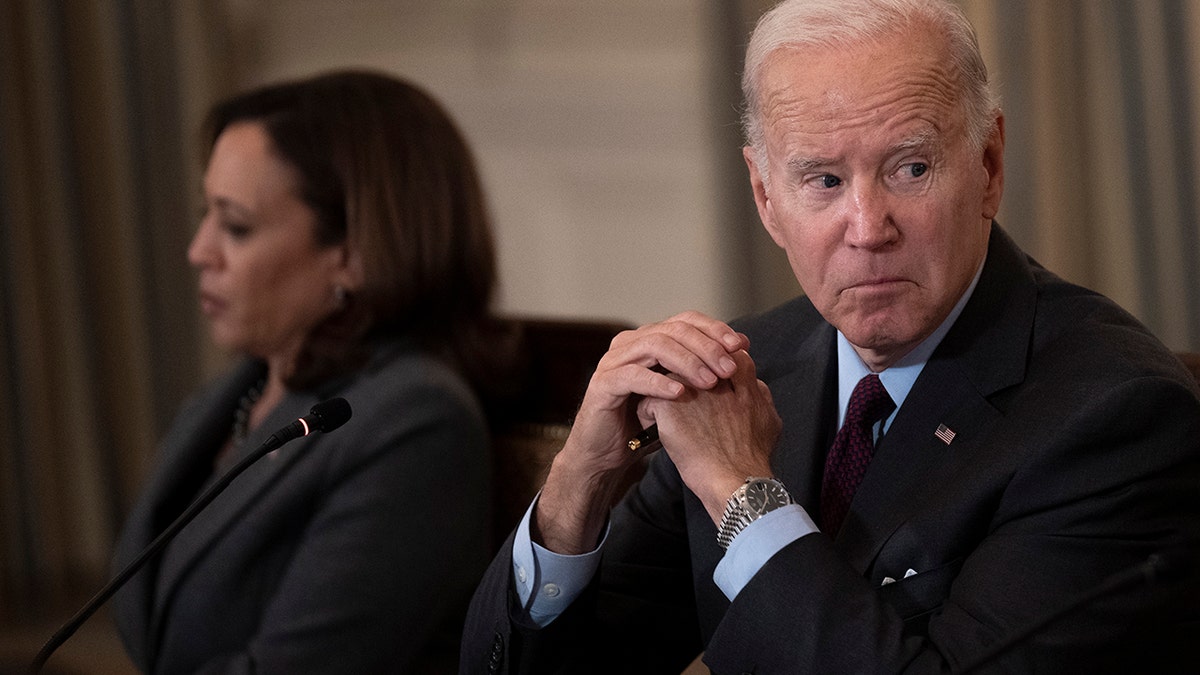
(187, 453)
(807, 418)
(199, 536)
(984, 352)
(900, 474)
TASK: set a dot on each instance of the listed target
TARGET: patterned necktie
(847, 460)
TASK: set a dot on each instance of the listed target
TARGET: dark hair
(387, 172)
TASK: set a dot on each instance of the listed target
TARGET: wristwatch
(754, 499)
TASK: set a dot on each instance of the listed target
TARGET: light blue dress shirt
(548, 582)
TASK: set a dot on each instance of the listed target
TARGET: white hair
(833, 23)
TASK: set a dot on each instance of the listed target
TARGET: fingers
(718, 435)
(694, 347)
(745, 373)
(662, 361)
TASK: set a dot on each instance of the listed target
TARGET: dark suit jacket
(348, 552)
(1075, 455)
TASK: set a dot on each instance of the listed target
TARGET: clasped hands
(691, 376)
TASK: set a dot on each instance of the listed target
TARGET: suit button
(496, 657)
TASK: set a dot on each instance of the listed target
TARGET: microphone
(323, 417)
(1158, 569)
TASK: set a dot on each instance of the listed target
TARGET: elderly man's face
(883, 207)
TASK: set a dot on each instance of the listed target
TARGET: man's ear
(766, 210)
(993, 165)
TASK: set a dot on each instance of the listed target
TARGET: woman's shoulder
(400, 374)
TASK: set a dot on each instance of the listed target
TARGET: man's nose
(869, 219)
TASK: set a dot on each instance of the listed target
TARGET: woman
(345, 251)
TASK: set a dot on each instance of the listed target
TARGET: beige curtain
(95, 350)
(1103, 161)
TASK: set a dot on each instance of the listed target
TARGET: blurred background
(607, 135)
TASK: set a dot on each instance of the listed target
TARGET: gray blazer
(348, 552)
(1076, 454)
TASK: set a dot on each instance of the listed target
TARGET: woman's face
(264, 281)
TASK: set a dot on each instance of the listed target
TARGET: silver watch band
(737, 516)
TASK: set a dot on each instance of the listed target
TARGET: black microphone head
(329, 415)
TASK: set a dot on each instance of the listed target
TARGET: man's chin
(880, 344)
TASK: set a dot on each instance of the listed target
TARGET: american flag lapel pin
(944, 433)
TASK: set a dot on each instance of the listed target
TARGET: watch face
(766, 495)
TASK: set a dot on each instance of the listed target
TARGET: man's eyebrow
(926, 138)
(798, 165)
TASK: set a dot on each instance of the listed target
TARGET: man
(1023, 439)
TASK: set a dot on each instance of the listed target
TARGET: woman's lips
(211, 304)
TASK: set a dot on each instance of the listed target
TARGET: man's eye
(917, 169)
(829, 181)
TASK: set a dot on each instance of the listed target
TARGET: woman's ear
(349, 274)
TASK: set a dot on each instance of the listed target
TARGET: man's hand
(665, 361)
(718, 437)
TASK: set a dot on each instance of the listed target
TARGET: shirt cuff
(754, 546)
(558, 579)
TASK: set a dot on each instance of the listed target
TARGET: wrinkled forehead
(845, 82)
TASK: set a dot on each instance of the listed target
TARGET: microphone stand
(337, 409)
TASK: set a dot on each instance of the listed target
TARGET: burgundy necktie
(847, 460)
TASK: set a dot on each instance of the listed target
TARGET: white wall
(592, 123)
